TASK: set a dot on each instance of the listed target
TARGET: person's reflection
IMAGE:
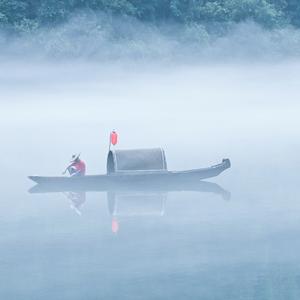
(76, 200)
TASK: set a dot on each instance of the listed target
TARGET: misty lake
(239, 240)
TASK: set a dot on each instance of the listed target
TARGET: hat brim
(75, 157)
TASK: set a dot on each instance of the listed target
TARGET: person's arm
(67, 168)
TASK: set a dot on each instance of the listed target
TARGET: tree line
(20, 15)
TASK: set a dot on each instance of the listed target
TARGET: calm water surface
(170, 245)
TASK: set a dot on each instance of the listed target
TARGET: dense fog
(201, 98)
(202, 112)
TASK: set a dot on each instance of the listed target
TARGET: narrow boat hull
(134, 177)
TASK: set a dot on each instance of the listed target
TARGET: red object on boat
(113, 138)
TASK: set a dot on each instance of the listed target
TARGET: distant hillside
(186, 30)
(28, 15)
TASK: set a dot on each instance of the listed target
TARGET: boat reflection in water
(123, 206)
(131, 201)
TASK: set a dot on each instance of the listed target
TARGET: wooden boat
(135, 176)
(146, 166)
(171, 186)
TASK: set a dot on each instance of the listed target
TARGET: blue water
(176, 245)
(171, 245)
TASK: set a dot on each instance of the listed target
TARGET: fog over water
(180, 245)
(104, 38)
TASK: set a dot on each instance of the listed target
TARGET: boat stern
(227, 163)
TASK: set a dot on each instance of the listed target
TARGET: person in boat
(77, 166)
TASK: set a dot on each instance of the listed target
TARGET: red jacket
(79, 166)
